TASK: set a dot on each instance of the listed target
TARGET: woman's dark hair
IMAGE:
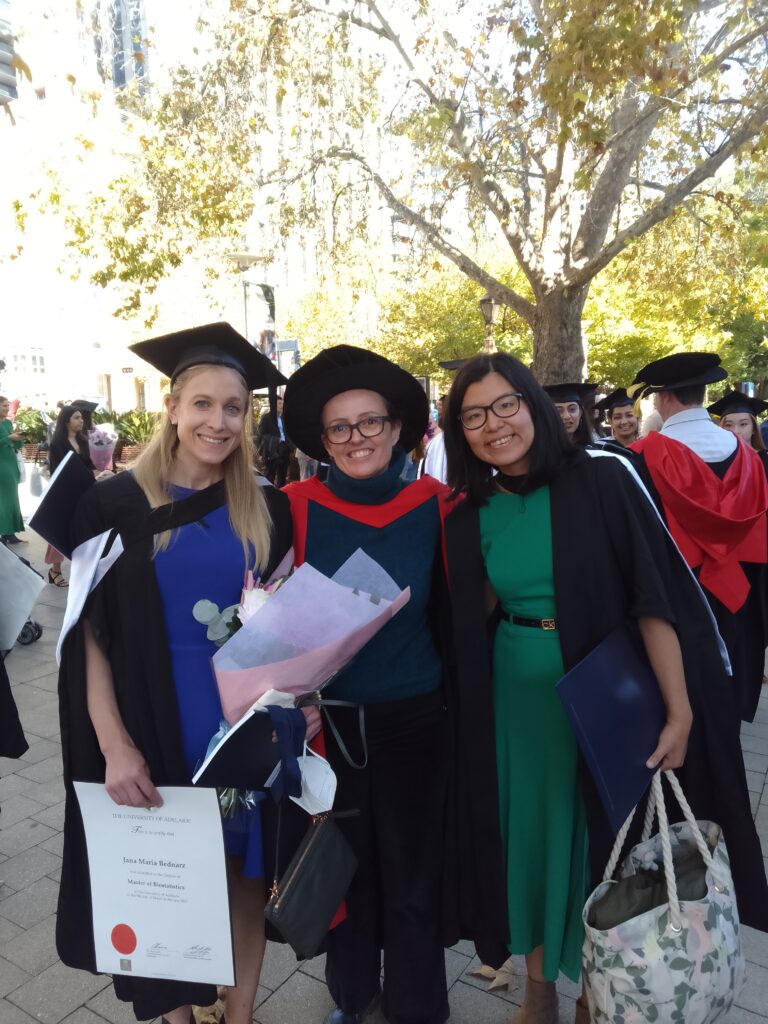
(583, 434)
(551, 451)
(61, 430)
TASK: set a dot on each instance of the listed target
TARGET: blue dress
(204, 560)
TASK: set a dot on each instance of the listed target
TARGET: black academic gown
(12, 740)
(612, 562)
(126, 612)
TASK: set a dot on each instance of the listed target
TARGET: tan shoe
(539, 1005)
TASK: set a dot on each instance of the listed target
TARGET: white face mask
(318, 783)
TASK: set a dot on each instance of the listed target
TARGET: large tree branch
(673, 196)
(501, 292)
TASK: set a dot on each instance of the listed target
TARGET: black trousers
(394, 902)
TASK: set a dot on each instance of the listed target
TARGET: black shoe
(14, 540)
(338, 1016)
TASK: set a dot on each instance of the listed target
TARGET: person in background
(624, 424)
(11, 441)
(575, 405)
(713, 494)
(68, 436)
(738, 413)
(276, 450)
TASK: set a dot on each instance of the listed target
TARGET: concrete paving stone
(23, 835)
(47, 615)
(40, 749)
(755, 782)
(38, 664)
(55, 844)
(8, 930)
(85, 1016)
(20, 871)
(740, 1016)
(34, 903)
(465, 946)
(17, 808)
(52, 816)
(57, 992)
(27, 697)
(11, 977)
(315, 967)
(51, 681)
(55, 875)
(279, 964)
(754, 994)
(43, 771)
(35, 949)
(10, 1014)
(761, 818)
(756, 762)
(301, 998)
(753, 744)
(12, 784)
(109, 1007)
(469, 1006)
(754, 802)
(455, 965)
(42, 721)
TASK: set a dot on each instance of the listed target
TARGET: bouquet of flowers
(101, 445)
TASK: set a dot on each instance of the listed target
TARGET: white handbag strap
(675, 921)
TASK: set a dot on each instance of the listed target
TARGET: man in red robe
(711, 489)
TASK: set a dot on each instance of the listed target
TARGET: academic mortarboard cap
(348, 368)
(735, 401)
(681, 370)
(84, 406)
(453, 364)
(617, 398)
(56, 512)
(216, 344)
(573, 392)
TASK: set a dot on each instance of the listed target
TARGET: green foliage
(136, 426)
(30, 421)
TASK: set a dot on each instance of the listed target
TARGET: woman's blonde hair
(248, 510)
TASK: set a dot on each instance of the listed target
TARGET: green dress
(543, 823)
(10, 511)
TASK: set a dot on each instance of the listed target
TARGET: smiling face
(570, 414)
(739, 423)
(503, 443)
(624, 424)
(360, 457)
(208, 414)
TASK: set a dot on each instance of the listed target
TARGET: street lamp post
(244, 261)
(489, 307)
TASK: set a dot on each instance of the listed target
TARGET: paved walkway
(35, 986)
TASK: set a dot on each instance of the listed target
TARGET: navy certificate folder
(617, 712)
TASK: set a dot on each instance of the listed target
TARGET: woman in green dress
(500, 418)
(10, 510)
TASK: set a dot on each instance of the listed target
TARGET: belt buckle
(548, 624)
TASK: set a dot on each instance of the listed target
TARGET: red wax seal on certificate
(124, 939)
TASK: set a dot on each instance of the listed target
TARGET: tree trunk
(558, 349)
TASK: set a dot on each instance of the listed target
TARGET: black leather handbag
(303, 902)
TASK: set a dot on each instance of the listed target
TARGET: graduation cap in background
(55, 513)
(681, 370)
(614, 400)
(573, 392)
(217, 344)
(84, 405)
(735, 401)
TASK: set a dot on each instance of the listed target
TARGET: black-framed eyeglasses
(474, 417)
(371, 426)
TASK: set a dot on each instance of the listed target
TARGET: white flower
(251, 601)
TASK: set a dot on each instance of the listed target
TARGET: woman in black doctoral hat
(363, 414)
(565, 547)
(738, 413)
(620, 410)
(139, 701)
(575, 405)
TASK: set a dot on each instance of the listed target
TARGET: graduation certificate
(159, 885)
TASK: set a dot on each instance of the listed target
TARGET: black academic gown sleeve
(126, 613)
(12, 740)
(612, 561)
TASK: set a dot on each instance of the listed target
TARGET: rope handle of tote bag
(657, 807)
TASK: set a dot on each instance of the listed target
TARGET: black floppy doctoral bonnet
(681, 370)
(735, 401)
(349, 368)
(216, 344)
(615, 400)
